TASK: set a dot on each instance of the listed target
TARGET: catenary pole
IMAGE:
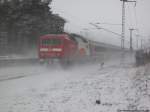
(131, 42)
(123, 25)
(123, 22)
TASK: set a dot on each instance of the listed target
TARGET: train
(68, 48)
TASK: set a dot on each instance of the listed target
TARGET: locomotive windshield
(47, 42)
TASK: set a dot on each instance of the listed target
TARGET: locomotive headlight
(44, 49)
(57, 49)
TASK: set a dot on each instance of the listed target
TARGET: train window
(73, 38)
(51, 42)
(84, 40)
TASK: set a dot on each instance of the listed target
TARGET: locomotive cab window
(51, 42)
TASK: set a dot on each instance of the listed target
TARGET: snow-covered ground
(41, 89)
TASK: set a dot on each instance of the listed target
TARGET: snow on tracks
(114, 86)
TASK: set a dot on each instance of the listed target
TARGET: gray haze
(79, 13)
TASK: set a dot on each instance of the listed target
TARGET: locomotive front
(50, 47)
(56, 46)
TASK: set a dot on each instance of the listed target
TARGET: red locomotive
(57, 46)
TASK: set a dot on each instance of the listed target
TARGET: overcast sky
(79, 13)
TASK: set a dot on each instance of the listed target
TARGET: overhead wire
(109, 31)
(101, 28)
(110, 24)
(79, 25)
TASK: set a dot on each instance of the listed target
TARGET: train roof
(52, 35)
(105, 45)
(63, 36)
(101, 44)
(74, 36)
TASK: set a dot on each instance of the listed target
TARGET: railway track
(11, 78)
(17, 61)
(16, 65)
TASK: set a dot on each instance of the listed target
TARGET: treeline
(23, 21)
